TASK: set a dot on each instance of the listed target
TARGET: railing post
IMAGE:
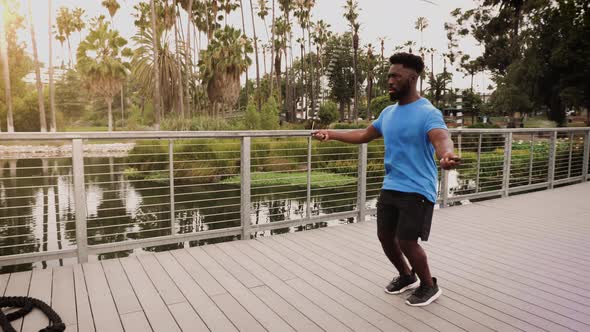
(552, 157)
(507, 165)
(586, 156)
(171, 176)
(361, 195)
(444, 187)
(80, 199)
(478, 166)
(569, 161)
(308, 209)
(531, 158)
(245, 188)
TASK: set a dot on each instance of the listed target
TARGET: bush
(252, 118)
(328, 112)
(344, 125)
(378, 104)
(198, 123)
(269, 119)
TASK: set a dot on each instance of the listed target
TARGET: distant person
(412, 131)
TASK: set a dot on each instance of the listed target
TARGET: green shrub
(378, 104)
(269, 119)
(252, 118)
(328, 112)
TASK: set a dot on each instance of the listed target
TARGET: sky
(392, 19)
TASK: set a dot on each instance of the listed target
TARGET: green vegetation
(318, 179)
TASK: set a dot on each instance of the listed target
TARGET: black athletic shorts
(407, 215)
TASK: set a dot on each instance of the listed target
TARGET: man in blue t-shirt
(412, 130)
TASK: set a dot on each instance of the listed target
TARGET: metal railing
(173, 189)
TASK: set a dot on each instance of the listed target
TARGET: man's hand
(321, 135)
(449, 161)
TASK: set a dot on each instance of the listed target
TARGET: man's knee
(408, 246)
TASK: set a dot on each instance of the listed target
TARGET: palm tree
(6, 75)
(244, 30)
(52, 125)
(177, 53)
(65, 27)
(112, 6)
(258, 92)
(157, 97)
(101, 62)
(170, 69)
(78, 21)
(420, 25)
(286, 6)
(42, 121)
(222, 63)
(351, 16)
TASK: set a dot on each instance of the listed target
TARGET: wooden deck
(519, 263)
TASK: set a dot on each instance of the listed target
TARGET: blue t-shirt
(409, 155)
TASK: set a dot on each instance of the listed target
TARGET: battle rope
(26, 305)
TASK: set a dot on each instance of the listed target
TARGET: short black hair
(408, 60)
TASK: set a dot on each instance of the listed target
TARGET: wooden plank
(478, 293)
(18, 285)
(542, 306)
(236, 270)
(123, 294)
(357, 275)
(237, 314)
(83, 310)
(313, 312)
(262, 313)
(499, 316)
(135, 322)
(40, 288)
(63, 297)
(153, 306)
(379, 320)
(165, 286)
(347, 317)
(186, 317)
(199, 274)
(201, 303)
(347, 242)
(269, 264)
(3, 282)
(291, 315)
(104, 311)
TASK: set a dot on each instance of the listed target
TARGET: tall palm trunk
(272, 49)
(244, 30)
(188, 72)
(157, 96)
(258, 94)
(355, 65)
(179, 83)
(6, 75)
(110, 113)
(52, 125)
(311, 70)
(42, 121)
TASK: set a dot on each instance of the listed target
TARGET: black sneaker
(424, 295)
(402, 283)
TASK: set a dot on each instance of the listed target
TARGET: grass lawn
(318, 179)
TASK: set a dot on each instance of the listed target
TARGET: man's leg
(392, 250)
(417, 257)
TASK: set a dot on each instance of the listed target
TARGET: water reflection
(37, 208)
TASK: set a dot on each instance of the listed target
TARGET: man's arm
(355, 137)
(441, 140)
